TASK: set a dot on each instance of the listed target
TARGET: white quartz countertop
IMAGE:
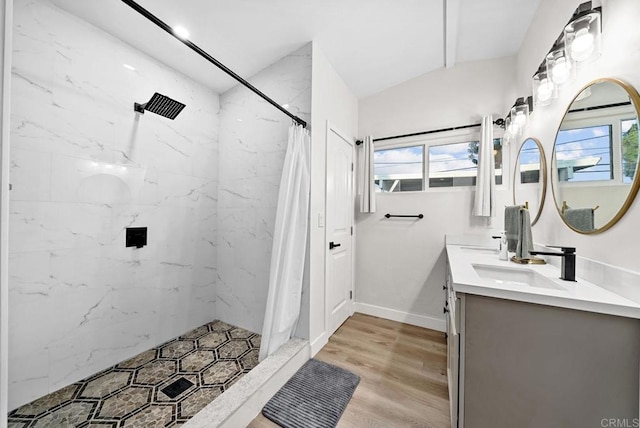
(580, 295)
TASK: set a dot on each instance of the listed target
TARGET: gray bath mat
(314, 397)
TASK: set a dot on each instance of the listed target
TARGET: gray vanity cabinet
(516, 364)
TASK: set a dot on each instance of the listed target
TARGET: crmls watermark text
(620, 423)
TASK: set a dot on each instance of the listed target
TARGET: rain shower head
(162, 105)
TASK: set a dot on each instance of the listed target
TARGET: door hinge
(351, 230)
(351, 166)
(350, 294)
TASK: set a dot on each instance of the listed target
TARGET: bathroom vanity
(526, 349)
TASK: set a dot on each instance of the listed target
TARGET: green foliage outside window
(497, 150)
(630, 151)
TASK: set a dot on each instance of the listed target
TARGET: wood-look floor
(402, 369)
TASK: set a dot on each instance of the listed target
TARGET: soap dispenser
(503, 246)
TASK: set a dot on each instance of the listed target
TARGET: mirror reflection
(595, 156)
(530, 178)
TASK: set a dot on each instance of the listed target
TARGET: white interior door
(339, 230)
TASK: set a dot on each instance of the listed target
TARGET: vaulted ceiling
(373, 44)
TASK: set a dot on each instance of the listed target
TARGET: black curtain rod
(144, 12)
(590, 108)
(499, 122)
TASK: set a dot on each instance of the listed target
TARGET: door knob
(332, 245)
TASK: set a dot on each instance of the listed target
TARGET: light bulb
(582, 45)
(181, 32)
(520, 119)
(545, 90)
(513, 128)
(560, 71)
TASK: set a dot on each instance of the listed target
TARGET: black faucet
(568, 255)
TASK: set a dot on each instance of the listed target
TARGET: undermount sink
(479, 250)
(513, 276)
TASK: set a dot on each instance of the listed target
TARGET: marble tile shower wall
(84, 167)
(252, 145)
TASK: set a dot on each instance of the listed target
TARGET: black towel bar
(405, 216)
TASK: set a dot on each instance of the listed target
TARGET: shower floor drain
(177, 387)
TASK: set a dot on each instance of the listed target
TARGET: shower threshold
(162, 387)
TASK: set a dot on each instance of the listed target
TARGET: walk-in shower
(85, 168)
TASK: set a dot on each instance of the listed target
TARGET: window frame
(612, 155)
(612, 118)
(407, 145)
(518, 174)
(441, 139)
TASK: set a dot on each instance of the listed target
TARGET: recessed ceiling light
(181, 32)
(129, 67)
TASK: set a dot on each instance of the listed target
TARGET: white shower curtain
(484, 204)
(289, 245)
(366, 185)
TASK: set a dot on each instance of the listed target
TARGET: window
(584, 154)
(402, 169)
(529, 159)
(630, 144)
(456, 164)
(399, 170)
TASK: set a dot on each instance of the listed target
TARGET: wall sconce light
(559, 64)
(544, 88)
(516, 119)
(520, 111)
(580, 41)
(583, 35)
(511, 129)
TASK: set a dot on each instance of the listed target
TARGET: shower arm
(151, 17)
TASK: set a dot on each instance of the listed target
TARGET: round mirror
(595, 156)
(530, 178)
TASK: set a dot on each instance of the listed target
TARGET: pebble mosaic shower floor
(162, 387)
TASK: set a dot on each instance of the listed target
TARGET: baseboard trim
(399, 316)
(318, 344)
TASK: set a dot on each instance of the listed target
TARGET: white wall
(620, 58)
(446, 97)
(84, 166)
(253, 142)
(400, 264)
(332, 101)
